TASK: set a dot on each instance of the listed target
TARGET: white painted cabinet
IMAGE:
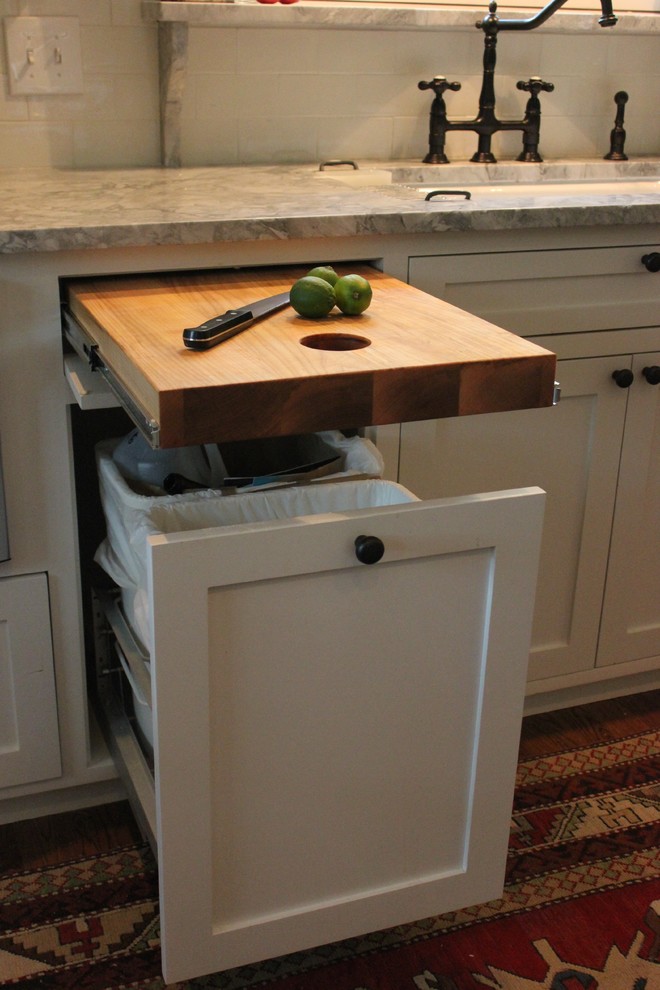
(335, 742)
(631, 612)
(455, 457)
(596, 453)
(29, 739)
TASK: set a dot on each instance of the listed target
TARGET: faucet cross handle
(535, 85)
(439, 85)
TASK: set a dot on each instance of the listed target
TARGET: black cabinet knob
(652, 374)
(623, 377)
(651, 261)
(369, 549)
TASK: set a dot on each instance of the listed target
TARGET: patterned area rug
(580, 911)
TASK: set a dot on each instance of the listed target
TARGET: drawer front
(547, 292)
(350, 761)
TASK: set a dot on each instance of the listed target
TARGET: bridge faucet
(486, 123)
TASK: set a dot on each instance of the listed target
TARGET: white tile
(627, 54)
(355, 137)
(88, 11)
(283, 140)
(135, 97)
(212, 50)
(238, 96)
(209, 142)
(126, 11)
(11, 107)
(519, 54)
(574, 55)
(573, 137)
(279, 51)
(410, 137)
(97, 102)
(453, 54)
(26, 144)
(119, 49)
(352, 95)
(104, 143)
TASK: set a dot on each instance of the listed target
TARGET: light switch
(43, 55)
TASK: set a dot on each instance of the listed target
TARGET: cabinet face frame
(501, 531)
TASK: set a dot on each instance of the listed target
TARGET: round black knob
(652, 374)
(651, 261)
(369, 549)
(624, 377)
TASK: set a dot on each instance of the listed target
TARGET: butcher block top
(410, 356)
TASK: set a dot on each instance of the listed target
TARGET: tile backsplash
(281, 95)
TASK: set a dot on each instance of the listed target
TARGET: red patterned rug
(580, 911)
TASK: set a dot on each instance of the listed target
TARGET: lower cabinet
(596, 454)
(631, 612)
(335, 741)
(572, 451)
(29, 738)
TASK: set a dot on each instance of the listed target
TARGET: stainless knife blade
(234, 321)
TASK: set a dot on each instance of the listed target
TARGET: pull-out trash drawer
(336, 677)
(335, 671)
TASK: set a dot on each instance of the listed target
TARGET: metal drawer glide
(87, 349)
(133, 767)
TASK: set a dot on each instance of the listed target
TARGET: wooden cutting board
(410, 356)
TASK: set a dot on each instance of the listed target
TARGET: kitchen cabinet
(631, 610)
(596, 453)
(29, 736)
(334, 737)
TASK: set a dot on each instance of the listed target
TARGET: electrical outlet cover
(43, 55)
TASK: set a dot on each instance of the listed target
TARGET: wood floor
(55, 839)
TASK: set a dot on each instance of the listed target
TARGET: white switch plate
(43, 55)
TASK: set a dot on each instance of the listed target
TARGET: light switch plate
(43, 55)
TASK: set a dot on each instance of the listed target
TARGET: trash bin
(131, 517)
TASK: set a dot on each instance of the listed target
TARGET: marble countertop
(52, 210)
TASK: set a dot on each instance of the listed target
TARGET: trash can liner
(131, 518)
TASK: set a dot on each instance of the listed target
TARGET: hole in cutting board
(335, 341)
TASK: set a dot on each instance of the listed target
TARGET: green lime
(312, 297)
(326, 272)
(352, 294)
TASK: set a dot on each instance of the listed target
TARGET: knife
(234, 321)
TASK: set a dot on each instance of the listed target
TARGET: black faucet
(486, 123)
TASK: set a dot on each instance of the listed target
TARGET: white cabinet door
(572, 451)
(631, 611)
(29, 738)
(336, 743)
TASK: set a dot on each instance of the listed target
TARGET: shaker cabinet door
(572, 451)
(630, 628)
(29, 739)
(336, 742)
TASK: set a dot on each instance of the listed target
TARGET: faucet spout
(607, 18)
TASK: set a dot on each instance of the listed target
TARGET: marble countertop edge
(54, 210)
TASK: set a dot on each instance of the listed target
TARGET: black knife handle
(218, 329)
